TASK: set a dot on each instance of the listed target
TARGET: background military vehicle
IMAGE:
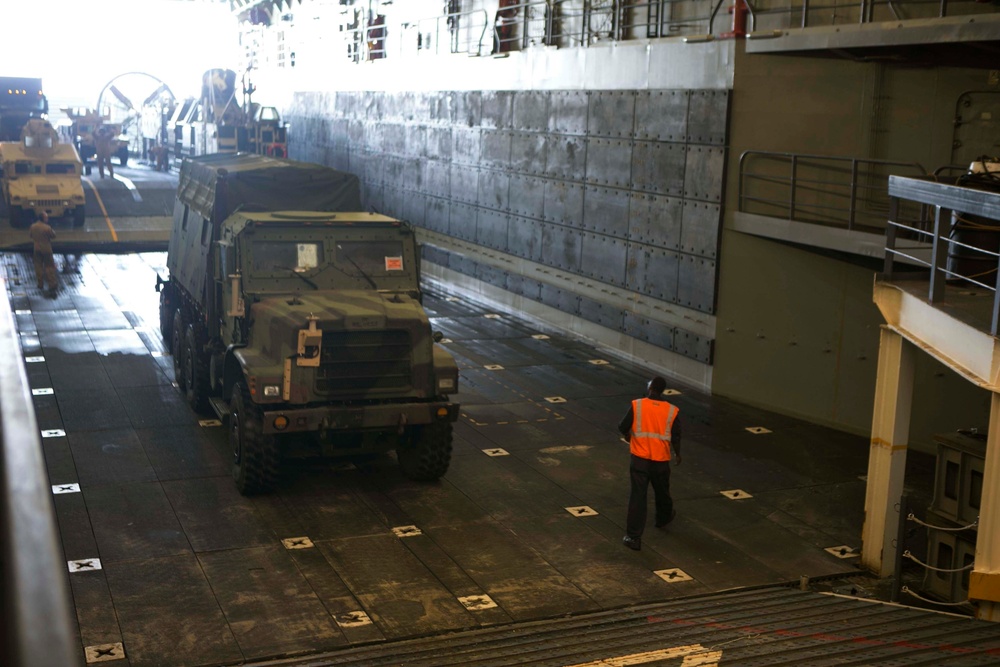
(21, 99)
(299, 319)
(217, 122)
(40, 174)
(83, 129)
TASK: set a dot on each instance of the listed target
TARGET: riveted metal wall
(622, 187)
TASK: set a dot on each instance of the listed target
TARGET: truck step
(220, 406)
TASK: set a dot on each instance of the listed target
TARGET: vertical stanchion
(939, 257)
(887, 455)
(890, 237)
(791, 188)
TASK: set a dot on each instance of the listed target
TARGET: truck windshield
(60, 168)
(277, 257)
(378, 258)
(27, 168)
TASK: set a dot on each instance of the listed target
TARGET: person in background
(45, 266)
(653, 427)
(104, 145)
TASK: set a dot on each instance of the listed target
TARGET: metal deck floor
(169, 565)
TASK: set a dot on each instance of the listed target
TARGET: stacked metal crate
(958, 488)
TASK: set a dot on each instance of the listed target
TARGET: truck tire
(79, 216)
(167, 311)
(195, 370)
(123, 157)
(177, 349)
(427, 453)
(255, 455)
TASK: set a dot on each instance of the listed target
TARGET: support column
(887, 456)
(984, 581)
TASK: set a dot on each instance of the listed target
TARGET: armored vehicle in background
(40, 174)
(85, 124)
(217, 123)
(298, 319)
(21, 99)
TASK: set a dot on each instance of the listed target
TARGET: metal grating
(768, 627)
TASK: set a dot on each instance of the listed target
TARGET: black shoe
(633, 543)
(673, 515)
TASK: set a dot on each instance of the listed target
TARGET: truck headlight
(272, 390)
(446, 384)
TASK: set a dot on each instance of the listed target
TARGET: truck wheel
(167, 312)
(79, 216)
(123, 158)
(195, 370)
(427, 454)
(255, 455)
(177, 349)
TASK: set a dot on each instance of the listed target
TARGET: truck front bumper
(358, 418)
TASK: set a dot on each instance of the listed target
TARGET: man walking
(45, 265)
(653, 427)
(104, 146)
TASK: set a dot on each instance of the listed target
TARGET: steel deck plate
(158, 487)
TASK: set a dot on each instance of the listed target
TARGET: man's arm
(625, 425)
(675, 439)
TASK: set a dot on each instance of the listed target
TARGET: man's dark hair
(657, 385)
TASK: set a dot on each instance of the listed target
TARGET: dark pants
(644, 472)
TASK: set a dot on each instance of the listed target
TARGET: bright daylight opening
(77, 47)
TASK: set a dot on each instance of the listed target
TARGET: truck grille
(46, 203)
(353, 361)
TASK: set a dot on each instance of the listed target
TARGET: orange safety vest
(652, 422)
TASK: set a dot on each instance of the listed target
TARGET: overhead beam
(968, 350)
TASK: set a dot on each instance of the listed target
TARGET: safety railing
(941, 566)
(522, 24)
(563, 23)
(843, 192)
(37, 626)
(808, 13)
(365, 43)
(453, 32)
(962, 227)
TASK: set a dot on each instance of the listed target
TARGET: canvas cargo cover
(261, 183)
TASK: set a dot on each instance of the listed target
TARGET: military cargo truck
(299, 319)
(21, 99)
(40, 174)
